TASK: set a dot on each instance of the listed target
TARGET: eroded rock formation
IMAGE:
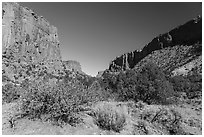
(187, 34)
(72, 65)
(30, 45)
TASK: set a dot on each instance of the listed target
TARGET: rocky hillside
(30, 45)
(43, 95)
(173, 59)
(187, 34)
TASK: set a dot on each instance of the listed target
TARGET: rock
(100, 73)
(172, 60)
(30, 45)
(72, 65)
(187, 34)
(195, 64)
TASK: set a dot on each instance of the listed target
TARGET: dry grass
(110, 116)
(116, 118)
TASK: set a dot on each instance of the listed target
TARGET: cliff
(30, 45)
(187, 34)
(72, 65)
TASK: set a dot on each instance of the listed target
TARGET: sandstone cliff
(72, 65)
(30, 45)
(187, 34)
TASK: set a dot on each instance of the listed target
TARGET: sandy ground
(191, 123)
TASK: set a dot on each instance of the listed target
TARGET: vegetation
(190, 84)
(60, 103)
(167, 119)
(108, 116)
(149, 85)
(10, 93)
(65, 101)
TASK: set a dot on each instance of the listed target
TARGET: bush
(109, 81)
(190, 84)
(60, 103)
(127, 84)
(10, 92)
(108, 116)
(149, 85)
(180, 84)
(168, 120)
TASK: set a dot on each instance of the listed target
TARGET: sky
(95, 33)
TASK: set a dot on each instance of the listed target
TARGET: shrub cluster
(149, 85)
(10, 92)
(82, 78)
(109, 81)
(190, 84)
(168, 120)
(60, 103)
(108, 116)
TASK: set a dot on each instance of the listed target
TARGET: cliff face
(72, 65)
(187, 34)
(30, 45)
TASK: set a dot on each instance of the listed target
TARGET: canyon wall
(187, 34)
(30, 45)
(72, 65)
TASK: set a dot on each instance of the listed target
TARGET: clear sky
(95, 33)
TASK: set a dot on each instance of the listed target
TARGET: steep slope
(187, 34)
(194, 65)
(172, 58)
(30, 45)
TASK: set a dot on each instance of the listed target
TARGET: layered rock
(187, 34)
(72, 65)
(30, 45)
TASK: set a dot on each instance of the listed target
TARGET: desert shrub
(5, 78)
(153, 85)
(88, 80)
(168, 120)
(10, 92)
(180, 83)
(108, 116)
(140, 126)
(127, 84)
(174, 128)
(95, 85)
(82, 78)
(190, 84)
(61, 103)
(149, 85)
(195, 86)
(109, 80)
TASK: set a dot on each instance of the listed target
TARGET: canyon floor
(139, 121)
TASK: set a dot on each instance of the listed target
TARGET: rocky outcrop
(191, 67)
(187, 34)
(173, 58)
(72, 65)
(30, 45)
(100, 73)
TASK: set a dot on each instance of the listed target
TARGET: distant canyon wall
(72, 65)
(187, 34)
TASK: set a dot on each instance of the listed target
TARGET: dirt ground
(191, 123)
